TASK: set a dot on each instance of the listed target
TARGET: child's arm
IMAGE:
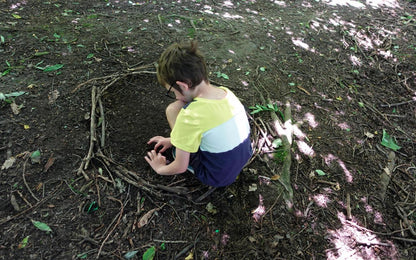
(158, 162)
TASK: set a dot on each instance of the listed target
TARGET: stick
(7, 219)
(348, 206)
(24, 181)
(186, 249)
(92, 126)
(102, 116)
(114, 227)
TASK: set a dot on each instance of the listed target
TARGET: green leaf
(35, 157)
(41, 53)
(23, 244)
(16, 16)
(89, 56)
(320, 172)
(149, 254)
(389, 141)
(13, 94)
(42, 226)
(277, 143)
(130, 254)
(163, 246)
(222, 75)
(52, 67)
(82, 255)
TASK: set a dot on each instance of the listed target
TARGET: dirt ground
(79, 100)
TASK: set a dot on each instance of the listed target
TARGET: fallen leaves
(41, 226)
(53, 96)
(144, 220)
(8, 163)
(15, 108)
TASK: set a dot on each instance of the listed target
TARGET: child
(210, 130)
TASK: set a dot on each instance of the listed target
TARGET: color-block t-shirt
(219, 132)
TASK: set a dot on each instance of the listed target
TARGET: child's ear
(182, 85)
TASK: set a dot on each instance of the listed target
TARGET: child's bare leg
(172, 112)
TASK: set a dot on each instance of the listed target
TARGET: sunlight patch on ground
(281, 3)
(310, 118)
(355, 4)
(351, 241)
(355, 60)
(260, 210)
(228, 4)
(383, 3)
(328, 159)
(305, 148)
(344, 126)
(378, 217)
(321, 200)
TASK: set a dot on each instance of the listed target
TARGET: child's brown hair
(182, 62)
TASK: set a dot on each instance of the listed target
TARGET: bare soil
(347, 71)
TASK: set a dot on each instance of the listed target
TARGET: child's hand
(160, 141)
(156, 160)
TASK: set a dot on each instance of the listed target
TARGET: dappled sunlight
(231, 16)
(344, 126)
(383, 3)
(352, 241)
(378, 217)
(321, 200)
(355, 60)
(280, 3)
(305, 148)
(259, 212)
(228, 4)
(299, 42)
(328, 159)
(351, 3)
(310, 118)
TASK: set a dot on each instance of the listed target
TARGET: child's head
(182, 62)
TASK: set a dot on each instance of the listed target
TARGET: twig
(186, 249)
(397, 104)
(92, 126)
(24, 199)
(24, 181)
(405, 239)
(102, 117)
(170, 241)
(206, 194)
(114, 227)
(348, 206)
(7, 219)
(403, 216)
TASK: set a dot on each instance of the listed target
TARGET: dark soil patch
(348, 72)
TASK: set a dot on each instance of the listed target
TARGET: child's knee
(172, 111)
(173, 108)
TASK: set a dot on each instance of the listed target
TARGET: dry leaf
(39, 186)
(252, 187)
(275, 177)
(190, 256)
(15, 108)
(369, 135)
(145, 218)
(53, 96)
(51, 160)
(8, 163)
